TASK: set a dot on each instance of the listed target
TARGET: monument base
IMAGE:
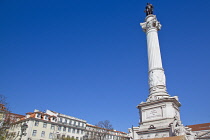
(161, 118)
(169, 138)
(157, 116)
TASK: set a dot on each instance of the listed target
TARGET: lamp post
(23, 129)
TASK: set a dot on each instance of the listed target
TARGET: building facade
(202, 131)
(6, 120)
(97, 133)
(3, 112)
(50, 125)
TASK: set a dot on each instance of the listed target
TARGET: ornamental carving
(156, 78)
(151, 24)
(178, 129)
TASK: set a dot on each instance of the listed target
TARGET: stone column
(157, 80)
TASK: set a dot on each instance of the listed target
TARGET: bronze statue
(149, 9)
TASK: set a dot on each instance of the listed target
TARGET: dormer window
(38, 115)
(46, 117)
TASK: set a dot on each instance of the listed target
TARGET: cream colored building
(202, 131)
(97, 133)
(48, 125)
(3, 113)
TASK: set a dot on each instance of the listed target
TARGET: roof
(16, 115)
(12, 117)
(168, 138)
(90, 125)
(2, 107)
(198, 127)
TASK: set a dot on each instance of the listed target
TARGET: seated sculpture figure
(178, 129)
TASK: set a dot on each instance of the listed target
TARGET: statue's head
(179, 122)
(148, 3)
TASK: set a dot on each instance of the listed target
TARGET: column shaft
(157, 80)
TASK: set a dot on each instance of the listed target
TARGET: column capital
(150, 23)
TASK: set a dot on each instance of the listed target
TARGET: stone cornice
(149, 131)
(170, 99)
(156, 120)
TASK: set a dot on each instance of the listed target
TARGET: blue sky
(88, 59)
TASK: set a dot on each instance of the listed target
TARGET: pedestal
(157, 116)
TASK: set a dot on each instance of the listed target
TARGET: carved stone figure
(178, 129)
(149, 9)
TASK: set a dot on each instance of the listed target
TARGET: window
(36, 123)
(77, 138)
(74, 123)
(82, 124)
(46, 117)
(69, 130)
(78, 123)
(73, 130)
(50, 135)
(65, 121)
(43, 134)
(34, 133)
(44, 125)
(59, 128)
(61, 120)
(70, 121)
(81, 131)
(38, 115)
(77, 131)
(64, 128)
(52, 127)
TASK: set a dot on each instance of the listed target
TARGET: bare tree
(105, 124)
(4, 120)
(100, 131)
(106, 127)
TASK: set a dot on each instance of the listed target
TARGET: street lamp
(23, 129)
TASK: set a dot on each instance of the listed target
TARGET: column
(157, 80)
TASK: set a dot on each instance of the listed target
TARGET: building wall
(202, 131)
(50, 125)
(97, 133)
(42, 126)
